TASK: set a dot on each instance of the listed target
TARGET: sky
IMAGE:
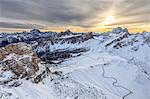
(76, 15)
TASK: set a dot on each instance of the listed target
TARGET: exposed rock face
(3, 53)
(63, 54)
(19, 49)
(87, 36)
(118, 42)
(19, 60)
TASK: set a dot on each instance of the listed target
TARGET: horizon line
(72, 30)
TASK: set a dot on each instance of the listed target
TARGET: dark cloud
(129, 8)
(54, 11)
(70, 12)
(135, 20)
(19, 25)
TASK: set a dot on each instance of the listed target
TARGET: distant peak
(119, 30)
(68, 31)
(35, 31)
(125, 30)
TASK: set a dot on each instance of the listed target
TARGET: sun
(109, 19)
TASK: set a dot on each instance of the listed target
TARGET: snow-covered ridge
(67, 65)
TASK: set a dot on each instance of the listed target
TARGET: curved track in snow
(115, 82)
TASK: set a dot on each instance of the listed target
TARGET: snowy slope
(113, 65)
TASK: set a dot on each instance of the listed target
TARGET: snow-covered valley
(66, 65)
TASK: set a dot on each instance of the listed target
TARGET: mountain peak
(68, 31)
(35, 31)
(125, 30)
(119, 30)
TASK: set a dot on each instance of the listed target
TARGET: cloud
(82, 13)
(129, 8)
(52, 11)
(19, 25)
(133, 20)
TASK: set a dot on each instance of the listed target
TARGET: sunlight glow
(109, 19)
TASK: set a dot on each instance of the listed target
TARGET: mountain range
(67, 65)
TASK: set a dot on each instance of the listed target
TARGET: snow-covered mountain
(67, 65)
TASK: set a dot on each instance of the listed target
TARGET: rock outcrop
(20, 61)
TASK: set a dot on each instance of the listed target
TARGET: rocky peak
(68, 31)
(125, 30)
(35, 31)
(119, 30)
